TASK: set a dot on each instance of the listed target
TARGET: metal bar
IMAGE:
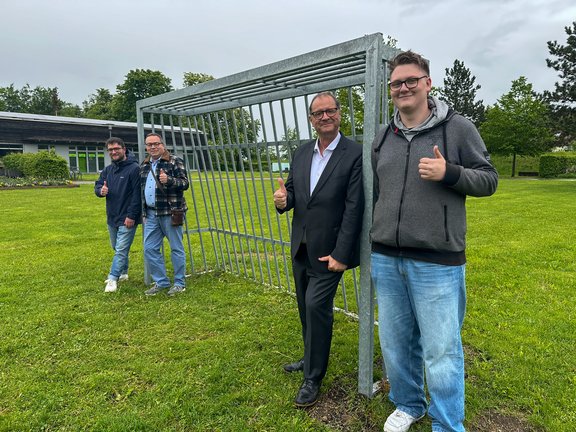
(219, 218)
(192, 188)
(244, 182)
(260, 170)
(251, 168)
(366, 304)
(174, 141)
(215, 239)
(271, 174)
(221, 138)
(238, 194)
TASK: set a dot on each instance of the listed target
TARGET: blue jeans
(155, 229)
(421, 308)
(121, 239)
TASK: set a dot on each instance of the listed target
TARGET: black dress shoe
(294, 367)
(308, 394)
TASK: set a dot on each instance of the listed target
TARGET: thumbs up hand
(163, 177)
(433, 168)
(104, 189)
(280, 196)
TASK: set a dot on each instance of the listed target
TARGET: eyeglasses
(114, 149)
(410, 83)
(330, 112)
(153, 145)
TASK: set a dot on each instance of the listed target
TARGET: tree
(357, 95)
(460, 92)
(68, 109)
(517, 124)
(43, 100)
(191, 78)
(139, 84)
(99, 105)
(290, 142)
(37, 100)
(563, 98)
(11, 100)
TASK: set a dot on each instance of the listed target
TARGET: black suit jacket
(331, 218)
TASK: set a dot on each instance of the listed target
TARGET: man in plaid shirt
(163, 180)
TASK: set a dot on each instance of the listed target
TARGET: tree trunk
(513, 164)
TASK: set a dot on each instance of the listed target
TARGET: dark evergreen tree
(563, 99)
(459, 92)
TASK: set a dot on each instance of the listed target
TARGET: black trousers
(315, 293)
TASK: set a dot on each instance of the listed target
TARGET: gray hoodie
(423, 219)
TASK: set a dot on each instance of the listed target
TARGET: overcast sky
(79, 46)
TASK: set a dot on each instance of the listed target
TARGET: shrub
(48, 165)
(19, 163)
(561, 164)
(41, 165)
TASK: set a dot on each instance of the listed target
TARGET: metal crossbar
(237, 134)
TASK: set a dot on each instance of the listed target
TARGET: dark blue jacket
(123, 199)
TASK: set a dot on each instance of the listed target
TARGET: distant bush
(41, 165)
(561, 164)
(19, 163)
(503, 164)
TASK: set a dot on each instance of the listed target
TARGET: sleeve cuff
(452, 174)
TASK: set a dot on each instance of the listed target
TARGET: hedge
(41, 165)
(562, 164)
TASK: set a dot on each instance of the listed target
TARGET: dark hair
(322, 94)
(409, 57)
(115, 140)
(154, 134)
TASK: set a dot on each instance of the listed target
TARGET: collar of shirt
(330, 147)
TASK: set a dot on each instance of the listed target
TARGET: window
(86, 159)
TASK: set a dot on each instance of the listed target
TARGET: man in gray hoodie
(425, 163)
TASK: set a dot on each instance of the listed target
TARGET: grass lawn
(73, 358)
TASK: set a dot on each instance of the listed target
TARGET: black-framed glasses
(411, 83)
(155, 144)
(114, 149)
(330, 112)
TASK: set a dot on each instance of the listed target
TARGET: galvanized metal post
(142, 153)
(372, 98)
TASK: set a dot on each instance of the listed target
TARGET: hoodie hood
(130, 159)
(439, 112)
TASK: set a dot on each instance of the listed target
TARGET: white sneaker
(111, 285)
(399, 421)
(123, 277)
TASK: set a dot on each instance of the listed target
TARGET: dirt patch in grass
(339, 408)
(498, 422)
(343, 409)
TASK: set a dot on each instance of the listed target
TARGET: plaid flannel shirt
(173, 197)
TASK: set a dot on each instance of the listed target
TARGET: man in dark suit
(324, 188)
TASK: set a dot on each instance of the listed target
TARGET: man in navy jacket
(119, 182)
(324, 190)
